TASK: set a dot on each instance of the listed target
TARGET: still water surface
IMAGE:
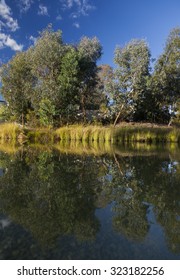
(121, 204)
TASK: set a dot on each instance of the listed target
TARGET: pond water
(75, 203)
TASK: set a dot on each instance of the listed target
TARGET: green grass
(89, 133)
(10, 131)
(92, 133)
(126, 134)
(9, 147)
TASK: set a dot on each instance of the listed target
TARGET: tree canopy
(56, 83)
(63, 74)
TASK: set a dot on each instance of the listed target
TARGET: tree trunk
(83, 108)
(169, 124)
(118, 115)
(22, 119)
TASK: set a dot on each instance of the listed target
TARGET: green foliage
(46, 57)
(17, 85)
(32, 120)
(130, 78)
(89, 51)
(40, 136)
(3, 113)
(53, 83)
(101, 96)
(61, 73)
(47, 112)
(10, 131)
(167, 73)
(68, 85)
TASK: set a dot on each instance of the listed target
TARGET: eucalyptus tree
(46, 59)
(78, 78)
(129, 83)
(66, 73)
(105, 76)
(68, 81)
(51, 80)
(90, 50)
(31, 77)
(167, 75)
(17, 85)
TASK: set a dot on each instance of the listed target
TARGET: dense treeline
(53, 83)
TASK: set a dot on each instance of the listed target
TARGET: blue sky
(114, 22)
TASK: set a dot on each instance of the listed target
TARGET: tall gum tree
(63, 74)
(90, 50)
(167, 74)
(17, 85)
(69, 84)
(130, 78)
(46, 59)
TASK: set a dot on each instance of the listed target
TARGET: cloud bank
(7, 41)
(6, 16)
(8, 24)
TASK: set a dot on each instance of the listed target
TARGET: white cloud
(82, 7)
(25, 5)
(33, 39)
(74, 16)
(76, 24)
(71, 3)
(7, 41)
(43, 11)
(59, 17)
(1, 25)
(86, 7)
(7, 22)
(5, 15)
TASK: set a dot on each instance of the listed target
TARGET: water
(67, 203)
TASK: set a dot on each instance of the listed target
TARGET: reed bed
(10, 131)
(9, 147)
(84, 133)
(119, 134)
(91, 133)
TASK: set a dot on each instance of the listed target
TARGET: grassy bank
(119, 134)
(126, 133)
(84, 133)
(10, 131)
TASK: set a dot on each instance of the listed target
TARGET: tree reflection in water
(54, 194)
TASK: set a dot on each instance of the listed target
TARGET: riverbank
(124, 133)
